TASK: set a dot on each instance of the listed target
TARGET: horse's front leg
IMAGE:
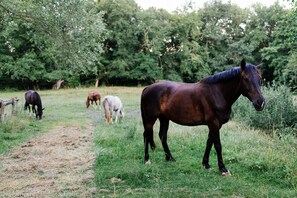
(34, 110)
(214, 134)
(94, 105)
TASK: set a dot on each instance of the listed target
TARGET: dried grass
(59, 163)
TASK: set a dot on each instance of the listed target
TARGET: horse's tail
(106, 110)
(88, 102)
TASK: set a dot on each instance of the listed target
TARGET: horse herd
(207, 102)
(110, 104)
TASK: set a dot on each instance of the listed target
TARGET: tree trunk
(97, 82)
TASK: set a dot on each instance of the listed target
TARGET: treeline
(117, 43)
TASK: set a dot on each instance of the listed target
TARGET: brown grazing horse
(207, 102)
(93, 96)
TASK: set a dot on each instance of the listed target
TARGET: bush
(279, 115)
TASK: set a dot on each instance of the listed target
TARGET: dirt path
(57, 164)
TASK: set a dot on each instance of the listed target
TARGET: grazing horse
(33, 98)
(207, 102)
(110, 104)
(93, 96)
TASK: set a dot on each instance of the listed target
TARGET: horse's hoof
(226, 172)
(170, 159)
(148, 162)
(206, 166)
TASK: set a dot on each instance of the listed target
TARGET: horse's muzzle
(259, 104)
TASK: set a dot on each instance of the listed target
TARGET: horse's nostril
(260, 102)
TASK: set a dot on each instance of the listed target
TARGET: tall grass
(15, 130)
(279, 115)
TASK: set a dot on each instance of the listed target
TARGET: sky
(171, 5)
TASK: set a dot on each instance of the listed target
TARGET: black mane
(222, 76)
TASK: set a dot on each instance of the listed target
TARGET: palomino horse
(93, 96)
(33, 98)
(207, 102)
(110, 104)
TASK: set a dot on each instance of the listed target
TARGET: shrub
(279, 115)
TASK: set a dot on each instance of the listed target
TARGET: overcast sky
(171, 5)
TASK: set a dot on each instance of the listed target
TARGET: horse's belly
(188, 117)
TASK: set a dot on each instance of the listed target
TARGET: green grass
(262, 166)
(62, 108)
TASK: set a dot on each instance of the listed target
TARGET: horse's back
(29, 96)
(160, 92)
(114, 101)
(183, 103)
(94, 93)
(155, 95)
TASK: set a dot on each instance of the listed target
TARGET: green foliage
(44, 37)
(290, 71)
(279, 115)
(280, 52)
(119, 43)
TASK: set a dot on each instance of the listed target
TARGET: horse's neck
(39, 104)
(231, 90)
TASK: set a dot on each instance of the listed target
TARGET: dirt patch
(57, 164)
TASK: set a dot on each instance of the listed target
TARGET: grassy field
(261, 166)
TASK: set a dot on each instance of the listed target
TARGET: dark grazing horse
(207, 102)
(93, 96)
(33, 98)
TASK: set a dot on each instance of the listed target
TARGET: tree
(222, 30)
(61, 35)
(260, 34)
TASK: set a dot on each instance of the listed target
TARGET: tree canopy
(117, 42)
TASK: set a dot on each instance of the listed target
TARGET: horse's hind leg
(209, 144)
(164, 124)
(148, 137)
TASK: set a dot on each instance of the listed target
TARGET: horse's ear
(242, 64)
(259, 66)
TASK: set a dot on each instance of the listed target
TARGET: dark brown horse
(93, 96)
(33, 98)
(207, 102)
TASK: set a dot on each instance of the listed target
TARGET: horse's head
(88, 102)
(122, 114)
(39, 114)
(250, 81)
